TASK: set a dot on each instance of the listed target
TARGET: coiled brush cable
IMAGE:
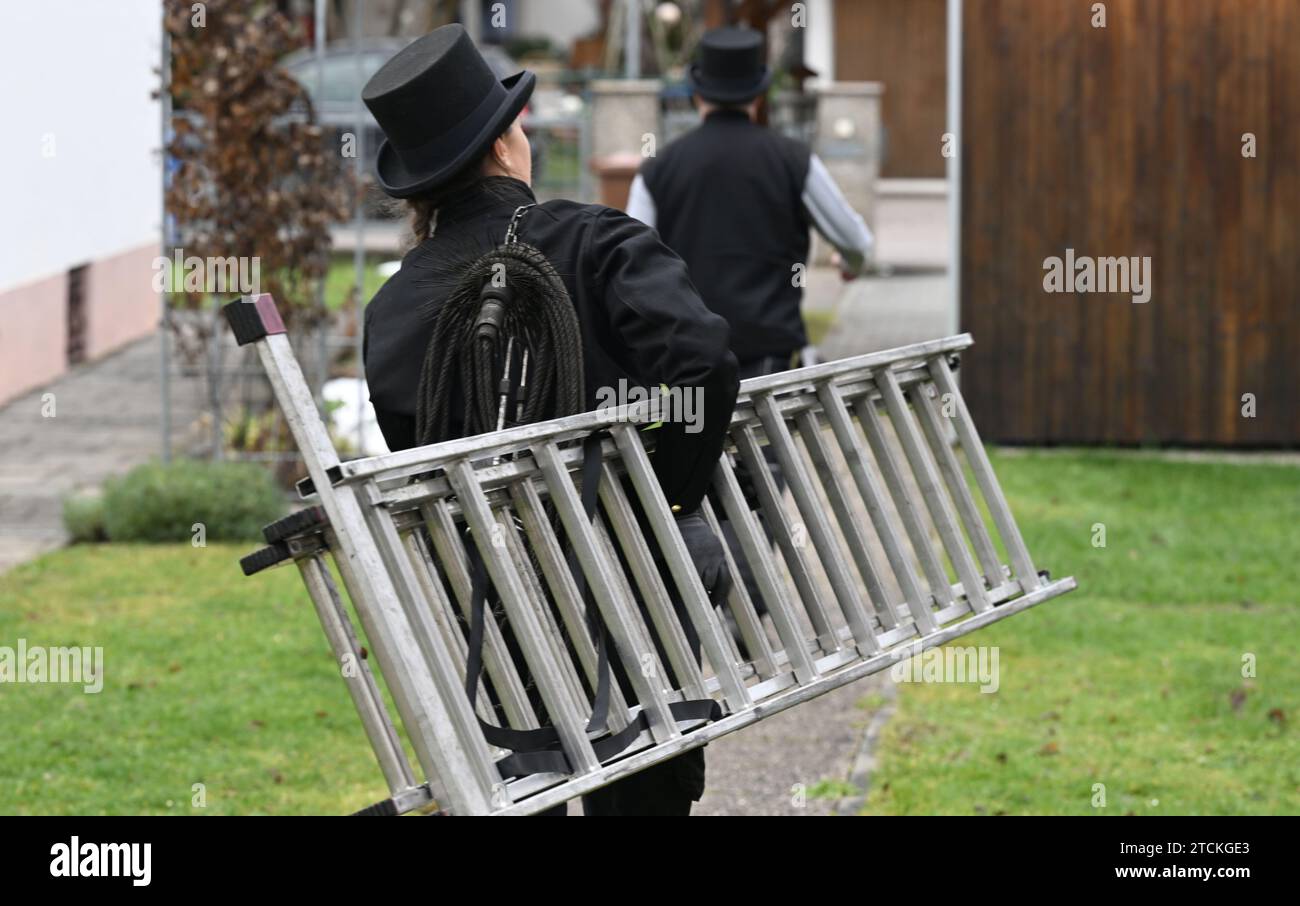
(510, 302)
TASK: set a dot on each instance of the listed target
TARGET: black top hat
(730, 67)
(441, 107)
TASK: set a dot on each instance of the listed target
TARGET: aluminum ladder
(879, 546)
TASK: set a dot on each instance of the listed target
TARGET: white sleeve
(834, 217)
(640, 204)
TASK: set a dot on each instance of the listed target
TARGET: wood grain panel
(901, 43)
(1126, 141)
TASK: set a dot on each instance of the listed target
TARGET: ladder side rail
(789, 697)
(836, 369)
(457, 797)
(575, 427)
(363, 689)
(446, 757)
(414, 484)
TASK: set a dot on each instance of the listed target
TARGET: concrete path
(98, 421)
(802, 761)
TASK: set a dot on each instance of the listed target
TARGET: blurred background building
(82, 194)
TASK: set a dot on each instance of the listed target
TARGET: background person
(736, 201)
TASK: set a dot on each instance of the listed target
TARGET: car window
(342, 84)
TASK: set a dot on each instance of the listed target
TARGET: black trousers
(667, 788)
(664, 789)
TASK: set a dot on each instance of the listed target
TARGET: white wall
(559, 20)
(79, 73)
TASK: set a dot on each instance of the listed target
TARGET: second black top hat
(729, 67)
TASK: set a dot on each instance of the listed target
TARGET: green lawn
(342, 275)
(209, 678)
(1133, 681)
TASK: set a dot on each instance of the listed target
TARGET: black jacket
(642, 319)
(728, 197)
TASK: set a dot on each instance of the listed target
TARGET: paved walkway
(801, 762)
(107, 417)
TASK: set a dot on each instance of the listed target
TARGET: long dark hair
(422, 209)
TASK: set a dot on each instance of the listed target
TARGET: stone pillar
(848, 140)
(623, 112)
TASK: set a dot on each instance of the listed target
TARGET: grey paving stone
(108, 417)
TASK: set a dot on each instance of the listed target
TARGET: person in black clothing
(737, 200)
(455, 151)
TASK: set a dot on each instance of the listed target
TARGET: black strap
(591, 467)
(386, 808)
(554, 761)
(539, 751)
